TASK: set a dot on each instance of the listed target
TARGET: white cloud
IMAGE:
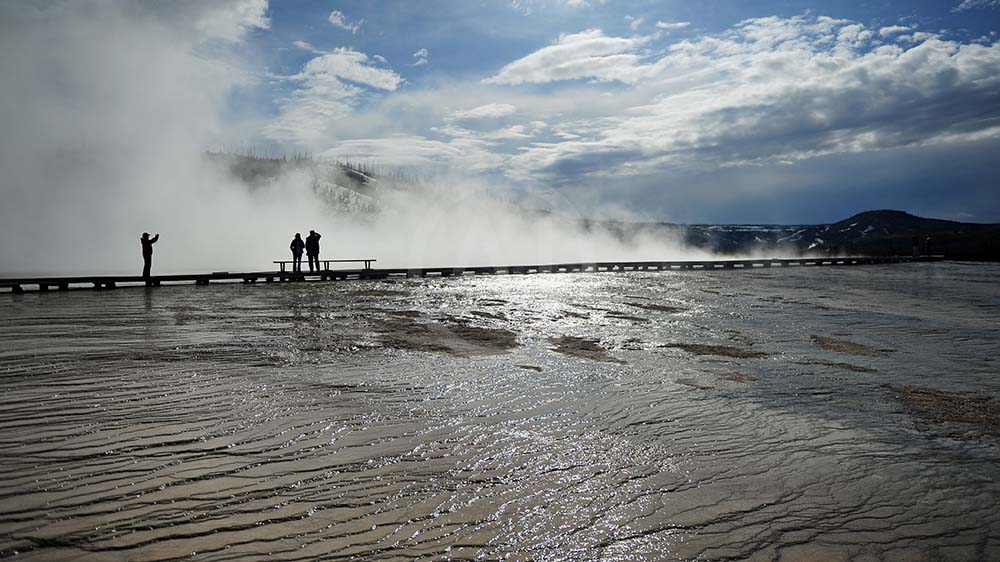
(305, 46)
(508, 133)
(330, 86)
(892, 30)
(419, 152)
(487, 111)
(852, 36)
(588, 54)
(489, 123)
(916, 37)
(633, 22)
(338, 19)
(780, 90)
(672, 26)
(976, 4)
(347, 64)
(228, 20)
(421, 56)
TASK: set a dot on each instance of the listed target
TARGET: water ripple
(740, 417)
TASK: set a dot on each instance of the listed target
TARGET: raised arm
(154, 239)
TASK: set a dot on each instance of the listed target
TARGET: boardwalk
(19, 285)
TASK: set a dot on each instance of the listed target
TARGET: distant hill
(871, 233)
(888, 232)
(345, 187)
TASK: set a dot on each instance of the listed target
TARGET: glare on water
(793, 414)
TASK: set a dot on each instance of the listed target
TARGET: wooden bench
(326, 263)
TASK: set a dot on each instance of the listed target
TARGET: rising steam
(105, 115)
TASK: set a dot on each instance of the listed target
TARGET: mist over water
(106, 109)
(106, 114)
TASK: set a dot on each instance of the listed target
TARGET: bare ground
(844, 346)
(845, 366)
(583, 348)
(737, 377)
(459, 339)
(491, 315)
(983, 412)
(657, 307)
(720, 350)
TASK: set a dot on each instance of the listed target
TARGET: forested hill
(891, 232)
(345, 187)
(874, 233)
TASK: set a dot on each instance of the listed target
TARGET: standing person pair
(311, 247)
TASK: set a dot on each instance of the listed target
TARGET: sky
(783, 111)
(723, 111)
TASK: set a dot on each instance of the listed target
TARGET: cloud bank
(783, 90)
(645, 111)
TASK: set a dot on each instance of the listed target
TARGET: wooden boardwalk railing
(17, 285)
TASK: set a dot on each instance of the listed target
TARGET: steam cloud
(106, 109)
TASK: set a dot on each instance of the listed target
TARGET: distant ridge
(887, 232)
(882, 232)
(878, 233)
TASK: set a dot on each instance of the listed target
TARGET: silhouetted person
(147, 252)
(312, 249)
(296, 247)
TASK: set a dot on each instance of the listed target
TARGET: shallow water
(636, 416)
